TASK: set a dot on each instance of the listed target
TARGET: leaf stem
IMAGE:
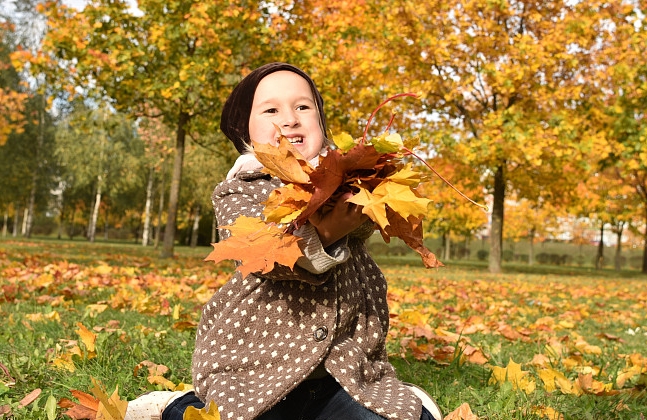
(386, 101)
(482, 206)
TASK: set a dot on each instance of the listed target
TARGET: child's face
(284, 98)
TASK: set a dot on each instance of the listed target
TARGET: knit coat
(260, 336)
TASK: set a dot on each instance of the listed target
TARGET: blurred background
(109, 114)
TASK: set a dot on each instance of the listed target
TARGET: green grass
(48, 287)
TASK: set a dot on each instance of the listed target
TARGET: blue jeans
(319, 399)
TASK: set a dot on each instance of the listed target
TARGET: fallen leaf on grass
(548, 412)
(474, 355)
(110, 407)
(591, 386)
(29, 398)
(86, 408)
(555, 380)
(513, 374)
(463, 412)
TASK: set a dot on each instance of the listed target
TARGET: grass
(142, 308)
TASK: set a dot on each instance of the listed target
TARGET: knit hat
(234, 121)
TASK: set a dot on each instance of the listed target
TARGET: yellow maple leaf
(407, 176)
(343, 141)
(286, 203)
(400, 198)
(88, 338)
(554, 380)
(110, 407)
(513, 374)
(387, 143)
(210, 413)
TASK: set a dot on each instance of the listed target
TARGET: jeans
(317, 399)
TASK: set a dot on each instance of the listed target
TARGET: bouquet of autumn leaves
(374, 171)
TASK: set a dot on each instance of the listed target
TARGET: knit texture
(259, 337)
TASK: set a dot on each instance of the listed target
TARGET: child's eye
(271, 111)
(302, 107)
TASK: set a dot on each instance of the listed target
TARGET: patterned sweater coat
(259, 337)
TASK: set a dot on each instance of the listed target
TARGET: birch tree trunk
(95, 212)
(196, 227)
(147, 210)
(4, 225)
(160, 210)
(448, 246)
(25, 214)
(15, 222)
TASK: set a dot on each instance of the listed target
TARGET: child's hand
(338, 221)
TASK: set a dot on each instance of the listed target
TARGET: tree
(98, 148)
(500, 83)
(624, 121)
(12, 98)
(180, 59)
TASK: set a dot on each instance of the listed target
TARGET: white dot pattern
(258, 338)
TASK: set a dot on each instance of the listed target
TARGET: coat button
(321, 333)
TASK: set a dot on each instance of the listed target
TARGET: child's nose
(290, 119)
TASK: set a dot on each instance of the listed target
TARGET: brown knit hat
(234, 121)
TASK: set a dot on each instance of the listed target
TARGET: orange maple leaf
(257, 245)
(86, 408)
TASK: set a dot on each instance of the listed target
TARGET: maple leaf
(396, 196)
(286, 204)
(554, 380)
(110, 407)
(284, 162)
(333, 170)
(86, 408)
(513, 374)
(257, 245)
(463, 412)
(410, 231)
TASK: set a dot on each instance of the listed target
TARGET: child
(307, 343)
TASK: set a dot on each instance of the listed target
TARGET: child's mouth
(296, 140)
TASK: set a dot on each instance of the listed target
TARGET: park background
(110, 149)
(110, 115)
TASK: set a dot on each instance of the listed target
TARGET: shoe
(151, 405)
(427, 401)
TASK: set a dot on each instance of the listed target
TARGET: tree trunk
(174, 195)
(29, 214)
(147, 209)
(448, 246)
(95, 212)
(599, 258)
(196, 227)
(15, 222)
(531, 250)
(617, 261)
(4, 225)
(496, 228)
(25, 215)
(160, 210)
